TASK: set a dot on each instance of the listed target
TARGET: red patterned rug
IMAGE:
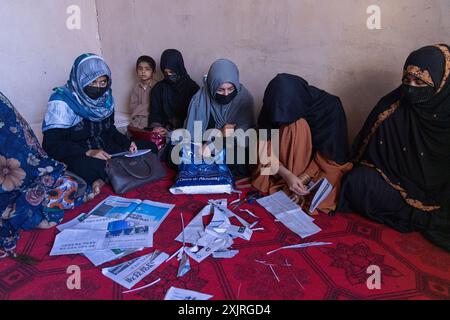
(411, 268)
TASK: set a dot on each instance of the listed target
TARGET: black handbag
(126, 174)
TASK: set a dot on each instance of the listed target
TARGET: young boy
(140, 96)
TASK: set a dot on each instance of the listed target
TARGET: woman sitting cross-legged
(34, 188)
(312, 139)
(79, 125)
(225, 105)
(402, 154)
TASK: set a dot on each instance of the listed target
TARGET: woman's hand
(98, 154)
(206, 151)
(133, 147)
(295, 185)
(161, 131)
(228, 130)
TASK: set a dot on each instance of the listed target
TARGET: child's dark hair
(151, 62)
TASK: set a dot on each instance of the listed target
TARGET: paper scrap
(302, 245)
(183, 294)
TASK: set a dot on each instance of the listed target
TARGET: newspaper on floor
(136, 218)
(103, 256)
(74, 241)
(183, 294)
(75, 221)
(129, 273)
(92, 222)
(117, 208)
(150, 213)
(87, 222)
(290, 214)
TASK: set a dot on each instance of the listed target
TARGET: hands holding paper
(98, 154)
(161, 131)
(133, 147)
(294, 183)
(103, 155)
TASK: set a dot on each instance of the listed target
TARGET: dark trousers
(92, 169)
(364, 191)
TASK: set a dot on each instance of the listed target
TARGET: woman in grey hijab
(224, 104)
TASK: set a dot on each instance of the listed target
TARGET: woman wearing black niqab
(313, 139)
(402, 154)
(170, 98)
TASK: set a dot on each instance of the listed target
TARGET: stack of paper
(290, 214)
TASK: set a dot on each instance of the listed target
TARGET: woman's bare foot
(46, 225)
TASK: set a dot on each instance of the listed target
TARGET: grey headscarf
(239, 111)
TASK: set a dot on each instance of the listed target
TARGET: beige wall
(327, 42)
(37, 50)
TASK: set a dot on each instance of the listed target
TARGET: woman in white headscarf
(224, 104)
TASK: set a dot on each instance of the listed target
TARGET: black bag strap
(135, 175)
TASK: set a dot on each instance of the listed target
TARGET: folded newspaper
(129, 273)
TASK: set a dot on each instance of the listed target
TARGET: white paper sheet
(74, 241)
(228, 213)
(290, 214)
(103, 256)
(150, 213)
(134, 238)
(193, 231)
(129, 154)
(73, 222)
(277, 203)
(299, 222)
(94, 223)
(115, 207)
(206, 251)
(323, 189)
(78, 241)
(301, 245)
(137, 153)
(183, 294)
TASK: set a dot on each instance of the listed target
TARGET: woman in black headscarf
(170, 98)
(313, 138)
(402, 154)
